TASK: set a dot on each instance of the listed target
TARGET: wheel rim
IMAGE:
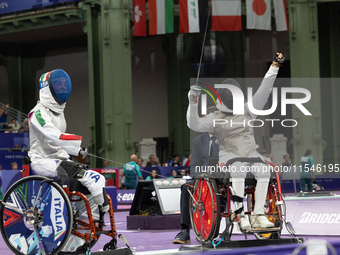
(50, 216)
(205, 217)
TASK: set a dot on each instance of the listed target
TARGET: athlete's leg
(262, 175)
(238, 174)
(92, 180)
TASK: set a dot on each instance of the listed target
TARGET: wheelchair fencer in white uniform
(237, 140)
(51, 146)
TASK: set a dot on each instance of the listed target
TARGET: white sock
(238, 185)
(260, 194)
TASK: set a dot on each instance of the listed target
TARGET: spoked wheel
(205, 209)
(269, 206)
(81, 218)
(35, 216)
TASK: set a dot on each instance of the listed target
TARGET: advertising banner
(8, 6)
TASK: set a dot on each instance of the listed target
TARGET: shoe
(182, 237)
(244, 222)
(260, 221)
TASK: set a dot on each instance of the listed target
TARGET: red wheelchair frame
(206, 212)
(94, 227)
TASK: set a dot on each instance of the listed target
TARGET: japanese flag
(258, 14)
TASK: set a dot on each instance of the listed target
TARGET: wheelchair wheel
(205, 211)
(76, 243)
(35, 215)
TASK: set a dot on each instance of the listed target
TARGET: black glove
(279, 60)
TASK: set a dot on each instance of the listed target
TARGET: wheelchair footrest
(119, 251)
(262, 230)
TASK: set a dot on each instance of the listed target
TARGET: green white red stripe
(45, 76)
(188, 16)
(161, 17)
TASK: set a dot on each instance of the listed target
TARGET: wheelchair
(40, 215)
(205, 205)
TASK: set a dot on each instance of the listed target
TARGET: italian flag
(161, 17)
(226, 15)
(188, 16)
(45, 76)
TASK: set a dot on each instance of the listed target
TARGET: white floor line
(159, 252)
(307, 198)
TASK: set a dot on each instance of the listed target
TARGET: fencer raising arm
(40, 119)
(261, 96)
(194, 122)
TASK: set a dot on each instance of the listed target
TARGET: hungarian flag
(226, 15)
(139, 18)
(259, 14)
(281, 19)
(188, 16)
(161, 17)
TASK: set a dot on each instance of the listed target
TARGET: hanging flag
(259, 14)
(281, 19)
(161, 17)
(188, 16)
(226, 15)
(139, 18)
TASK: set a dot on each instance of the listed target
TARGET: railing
(14, 114)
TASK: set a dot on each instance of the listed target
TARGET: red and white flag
(139, 18)
(226, 15)
(259, 14)
(281, 19)
(188, 16)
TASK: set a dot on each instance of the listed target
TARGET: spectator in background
(7, 128)
(25, 128)
(106, 164)
(174, 174)
(0, 167)
(152, 161)
(131, 171)
(153, 175)
(306, 175)
(3, 115)
(14, 165)
(175, 160)
(271, 157)
(121, 179)
(15, 125)
(140, 162)
(286, 164)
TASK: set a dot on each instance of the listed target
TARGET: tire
(51, 216)
(79, 209)
(205, 191)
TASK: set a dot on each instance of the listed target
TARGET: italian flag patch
(40, 118)
(45, 76)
